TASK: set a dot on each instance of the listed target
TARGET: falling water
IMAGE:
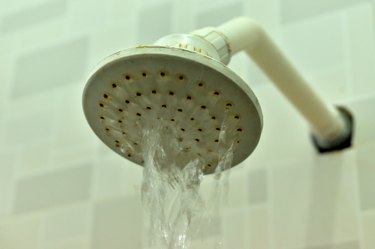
(171, 182)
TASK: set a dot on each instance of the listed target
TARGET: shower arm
(330, 125)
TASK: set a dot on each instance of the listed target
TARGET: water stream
(171, 187)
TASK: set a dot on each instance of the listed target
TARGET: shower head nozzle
(194, 93)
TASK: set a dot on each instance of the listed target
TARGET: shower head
(195, 94)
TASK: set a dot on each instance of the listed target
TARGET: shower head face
(197, 97)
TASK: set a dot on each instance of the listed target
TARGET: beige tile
(366, 175)
(66, 224)
(368, 221)
(340, 245)
(314, 202)
(53, 189)
(259, 231)
(235, 229)
(69, 244)
(364, 119)
(257, 186)
(20, 234)
(117, 224)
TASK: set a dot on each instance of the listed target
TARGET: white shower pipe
(329, 126)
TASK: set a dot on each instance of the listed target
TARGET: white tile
(72, 128)
(314, 201)
(30, 105)
(368, 222)
(7, 178)
(342, 245)
(285, 134)
(19, 5)
(316, 44)
(184, 16)
(366, 175)
(20, 234)
(8, 50)
(34, 15)
(115, 37)
(50, 67)
(27, 127)
(244, 67)
(66, 224)
(259, 235)
(364, 119)
(154, 21)
(332, 84)
(235, 232)
(294, 10)
(360, 28)
(115, 177)
(119, 10)
(211, 3)
(257, 186)
(40, 36)
(69, 244)
(266, 13)
(236, 195)
(72, 155)
(53, 189)
(255, 75)
(290, 206)
(86, 16)
(36, 157)
(109, 180)
(117, 224)
(218, 13)
(104, 150)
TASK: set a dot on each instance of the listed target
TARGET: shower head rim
(178, 53)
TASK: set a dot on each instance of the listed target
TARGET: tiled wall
(61, 188)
